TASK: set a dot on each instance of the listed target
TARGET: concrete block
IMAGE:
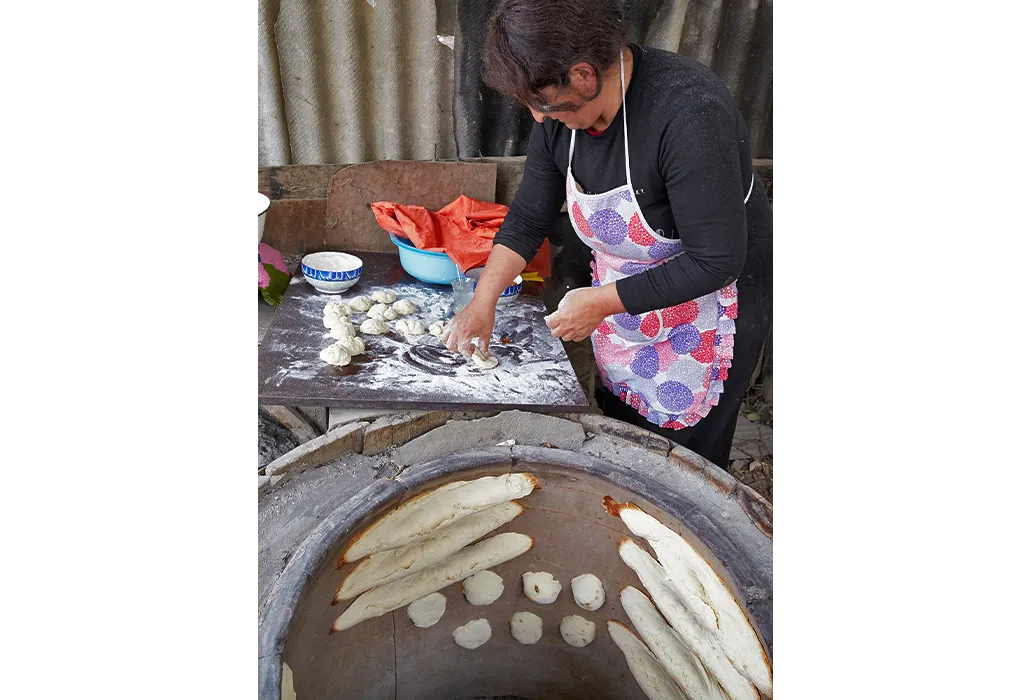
(293, 419)
(318, 415)
(461, 436)
(398, 429)
(323, 449)
(262, 481)
(472, 415)
(603, 425)
(342, 416)
(455, 465)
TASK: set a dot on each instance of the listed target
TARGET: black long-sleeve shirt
(690, 160)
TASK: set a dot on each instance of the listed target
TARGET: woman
(652, 157)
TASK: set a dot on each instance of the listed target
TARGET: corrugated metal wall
(347, 81)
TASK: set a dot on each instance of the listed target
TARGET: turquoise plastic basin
(434, 268)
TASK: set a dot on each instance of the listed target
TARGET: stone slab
(398, 429)
(325, 448)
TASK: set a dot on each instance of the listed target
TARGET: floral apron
(668, 364)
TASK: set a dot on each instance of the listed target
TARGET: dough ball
(426, 612)
(588, 592)
(373, 326)
(410, 327)
(577, 631)
(483, 588)
(360, 304)
(382, 312)
(333, 317)
(384, 296)
(336, 308)
(354, 345)
(335, 354)
(472, 634)
(403, 307)
(540, 587)
(342, 330)
(436, 328)
(526, 627)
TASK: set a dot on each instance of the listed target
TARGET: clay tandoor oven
(388, 657)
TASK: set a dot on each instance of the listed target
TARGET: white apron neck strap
(625, 128)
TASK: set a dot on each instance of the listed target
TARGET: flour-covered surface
(399, 372)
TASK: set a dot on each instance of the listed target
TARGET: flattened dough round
(526, 627)
(540, 587)
(577, 631)
(473, 634)
(426, 612)
(483, 588)
(588, 591)
(384, 296)
(482, 360)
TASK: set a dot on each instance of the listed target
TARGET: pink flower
(272, 257)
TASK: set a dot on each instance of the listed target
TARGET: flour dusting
(532, 366)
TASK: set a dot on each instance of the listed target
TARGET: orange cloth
(464, 230)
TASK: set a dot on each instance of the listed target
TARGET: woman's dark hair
(532, 44)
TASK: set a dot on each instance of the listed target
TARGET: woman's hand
(474, 321)
(477, 319)
(582, 310)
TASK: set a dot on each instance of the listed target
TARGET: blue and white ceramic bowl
(330, 272)
(509, 293)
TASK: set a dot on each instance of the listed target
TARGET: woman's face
(570, 109)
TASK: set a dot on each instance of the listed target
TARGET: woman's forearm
(503, 265)
(608, 299)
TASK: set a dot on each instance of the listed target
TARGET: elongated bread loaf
(470, 560)
(384, 567)
(681, 663)
(650, 675)
(701, 589)
(423, 515)
(694, 635)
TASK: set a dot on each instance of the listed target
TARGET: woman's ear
(583, 78)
